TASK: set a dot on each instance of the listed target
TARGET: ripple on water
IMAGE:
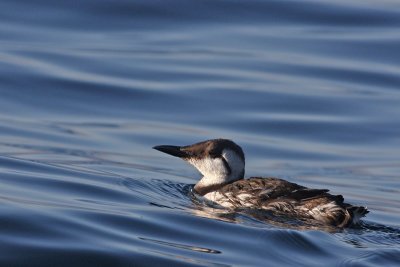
(310, 91)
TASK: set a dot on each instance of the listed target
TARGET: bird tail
(357, 212)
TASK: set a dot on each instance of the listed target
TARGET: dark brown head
(221, 161)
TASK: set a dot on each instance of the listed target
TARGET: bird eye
(214, 154)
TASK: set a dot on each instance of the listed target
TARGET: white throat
(214, 170)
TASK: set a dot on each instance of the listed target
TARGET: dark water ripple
(309, 89)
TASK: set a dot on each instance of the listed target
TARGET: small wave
(161, 193)
(369, 234)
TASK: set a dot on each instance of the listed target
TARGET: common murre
(222, 164)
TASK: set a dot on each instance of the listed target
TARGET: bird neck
(207, 185)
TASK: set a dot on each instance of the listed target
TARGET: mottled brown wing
(256, 192)
(278, 195)
(271, 188)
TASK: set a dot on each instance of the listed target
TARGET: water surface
(309, 89)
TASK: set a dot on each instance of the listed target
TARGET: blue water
(309, 89)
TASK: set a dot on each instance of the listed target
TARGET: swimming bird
(222, 164)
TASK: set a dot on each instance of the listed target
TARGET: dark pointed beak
(172, 150)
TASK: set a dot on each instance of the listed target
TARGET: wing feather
(279, 195)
